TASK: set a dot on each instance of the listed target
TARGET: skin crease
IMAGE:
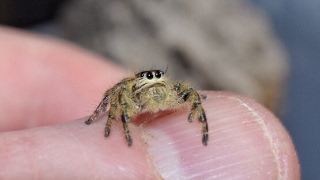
(46, 83)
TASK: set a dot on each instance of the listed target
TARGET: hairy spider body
(148, 91)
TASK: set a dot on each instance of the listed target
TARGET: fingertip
(246, 140)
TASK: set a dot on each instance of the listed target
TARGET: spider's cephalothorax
(148, 91)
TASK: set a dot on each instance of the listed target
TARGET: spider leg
(198, 111)
(125, 122)
(111, 116)
(99, 110)
(127, 111)
(185, 93)
(104, 103)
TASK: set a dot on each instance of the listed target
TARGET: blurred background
(266, 50)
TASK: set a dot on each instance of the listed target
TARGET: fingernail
(175, 147)
(164, 155)
(238, 145)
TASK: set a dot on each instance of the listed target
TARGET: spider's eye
(149, 75)
(158, 74)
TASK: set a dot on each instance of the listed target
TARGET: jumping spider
(148, 91)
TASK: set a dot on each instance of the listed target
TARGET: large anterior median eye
(158, 74)
(149, 75)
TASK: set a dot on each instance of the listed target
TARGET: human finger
(47, 81)
(245, 141)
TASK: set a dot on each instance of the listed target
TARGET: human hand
(45, 83)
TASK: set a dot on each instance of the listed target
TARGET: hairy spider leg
(185, 93)
(99, 110)
(198, 111)
(125, 114)
(111, 116)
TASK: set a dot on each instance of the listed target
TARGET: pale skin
(45, 82)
